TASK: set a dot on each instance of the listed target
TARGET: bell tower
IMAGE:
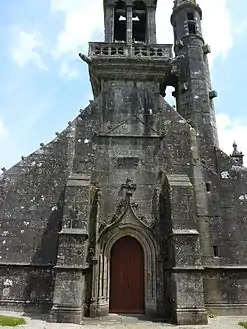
(130, 21)
(129, 51)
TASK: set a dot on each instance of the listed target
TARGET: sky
(44, 83)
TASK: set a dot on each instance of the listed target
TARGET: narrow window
(139, 22)
(215, 251)
(192, 28)
(120, 22)
(175, 32)
(208, 186)
(190, 16)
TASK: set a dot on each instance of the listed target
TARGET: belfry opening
(120, 22)
(139, 22)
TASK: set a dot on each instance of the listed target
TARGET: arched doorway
(127, 277)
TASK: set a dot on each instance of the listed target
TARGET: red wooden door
(127, 277)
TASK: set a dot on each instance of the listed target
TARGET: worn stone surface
(130, 164)
(125, 322)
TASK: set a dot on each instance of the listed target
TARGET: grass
(11, 321)
(243, 324)
(212, 315)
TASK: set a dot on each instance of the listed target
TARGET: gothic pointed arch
(144, 237)
(126, 223)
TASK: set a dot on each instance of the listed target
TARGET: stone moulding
(227, 308)
(125, 213)
(125, 222)
(144, 236)
(78, 180)
(74, 231)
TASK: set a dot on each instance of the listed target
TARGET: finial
(235, 146)
(236, 155)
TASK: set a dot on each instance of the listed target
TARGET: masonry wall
(127, 132)
(31, 207)
(224, 278)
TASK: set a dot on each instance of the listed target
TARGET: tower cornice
(186, 4)
(120, 61)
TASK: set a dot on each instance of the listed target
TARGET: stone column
(98, 306)
(129, 25)
(109, 24)
(151, 25)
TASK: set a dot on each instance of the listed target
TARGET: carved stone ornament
(126, 210)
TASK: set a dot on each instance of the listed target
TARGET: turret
(236, 155)
(186, 19)
(193, 91)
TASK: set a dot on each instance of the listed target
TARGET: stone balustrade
(134, 50)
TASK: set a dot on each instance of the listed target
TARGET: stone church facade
(133, 208)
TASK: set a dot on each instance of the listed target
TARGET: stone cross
(129, 187)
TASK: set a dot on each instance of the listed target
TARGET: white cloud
(240, 29)
(82, 20)
(27, 49)
(219, 34)
(67, 71)
(230, 130)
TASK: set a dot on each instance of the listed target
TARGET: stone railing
(134, 50)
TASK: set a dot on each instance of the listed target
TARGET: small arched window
(120, 22)
(139, 22)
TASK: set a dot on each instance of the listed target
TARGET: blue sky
(44, 83)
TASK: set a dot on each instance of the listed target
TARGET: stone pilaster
(109, 23)
(129, 25)
(69, 291)
(151, 25)
(186, 272)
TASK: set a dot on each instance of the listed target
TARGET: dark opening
(208, 186)
(139, 21)
(192, 28)
(190, 16)
(120, 22)
(175, 32)
(215, 251)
